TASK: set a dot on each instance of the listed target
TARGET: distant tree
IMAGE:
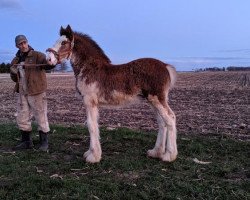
(214, 69)
(198, 70)
(234, 68)
(230, 68)
(5, 68)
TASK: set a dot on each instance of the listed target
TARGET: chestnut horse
(101, 83)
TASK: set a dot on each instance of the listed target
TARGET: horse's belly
(112, 98)
(118, 99)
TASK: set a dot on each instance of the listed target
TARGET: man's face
(23, 46)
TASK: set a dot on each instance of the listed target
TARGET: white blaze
(51, 59)
(51, 56)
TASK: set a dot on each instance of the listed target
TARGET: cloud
(205, 59)
(10, 4)
(193, 60)
(6, 52)
(6, 55)
(189, 63)
(235, 51)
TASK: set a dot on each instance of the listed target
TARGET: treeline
(231, 68)
(5, 68)
(238, 68)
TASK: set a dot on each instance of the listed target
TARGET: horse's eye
(63, 42)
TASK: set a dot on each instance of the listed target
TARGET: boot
(44, 146)
(26, 141)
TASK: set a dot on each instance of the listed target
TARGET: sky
(188, 34)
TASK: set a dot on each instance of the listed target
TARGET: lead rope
(18, 88)
(71, 48)
(30, 65)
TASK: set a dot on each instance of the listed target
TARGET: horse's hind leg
(169, 120)
(94, 153)
(159, 149)
(171, 148)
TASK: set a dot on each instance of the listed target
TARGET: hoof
(169, 157)
(153, 153)
(92, 157)
(86, 154)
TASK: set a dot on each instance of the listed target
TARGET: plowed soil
(211, 103)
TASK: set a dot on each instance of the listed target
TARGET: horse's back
(144, 62)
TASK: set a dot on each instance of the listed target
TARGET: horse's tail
(173, 75)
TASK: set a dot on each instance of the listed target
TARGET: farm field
(210, 103)
(213, 125)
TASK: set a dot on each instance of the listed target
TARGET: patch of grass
(124, 172)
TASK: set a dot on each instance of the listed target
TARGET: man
(28, 71)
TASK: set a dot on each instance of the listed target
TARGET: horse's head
(63, 47)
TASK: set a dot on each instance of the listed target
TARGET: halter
(59, 55)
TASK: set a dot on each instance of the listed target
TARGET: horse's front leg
(94, 153)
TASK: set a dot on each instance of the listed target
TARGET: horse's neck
(76, 64)
(88, 52)
(86, 62)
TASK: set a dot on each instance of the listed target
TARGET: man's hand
(13, 73)
(13, 70)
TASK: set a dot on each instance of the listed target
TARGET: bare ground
(211, 103)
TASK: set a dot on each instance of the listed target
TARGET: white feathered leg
(168, 117)
(160, 144)
(171, 148)
(94, 153)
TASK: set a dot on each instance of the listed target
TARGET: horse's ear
(68, 28)
(62, 31)
(67, 32)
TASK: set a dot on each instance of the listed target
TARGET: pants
(28, 106)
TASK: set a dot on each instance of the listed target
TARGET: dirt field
(212, 103)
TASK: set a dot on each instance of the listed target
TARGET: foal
(101, 83)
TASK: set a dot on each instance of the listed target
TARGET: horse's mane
(81, 38)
